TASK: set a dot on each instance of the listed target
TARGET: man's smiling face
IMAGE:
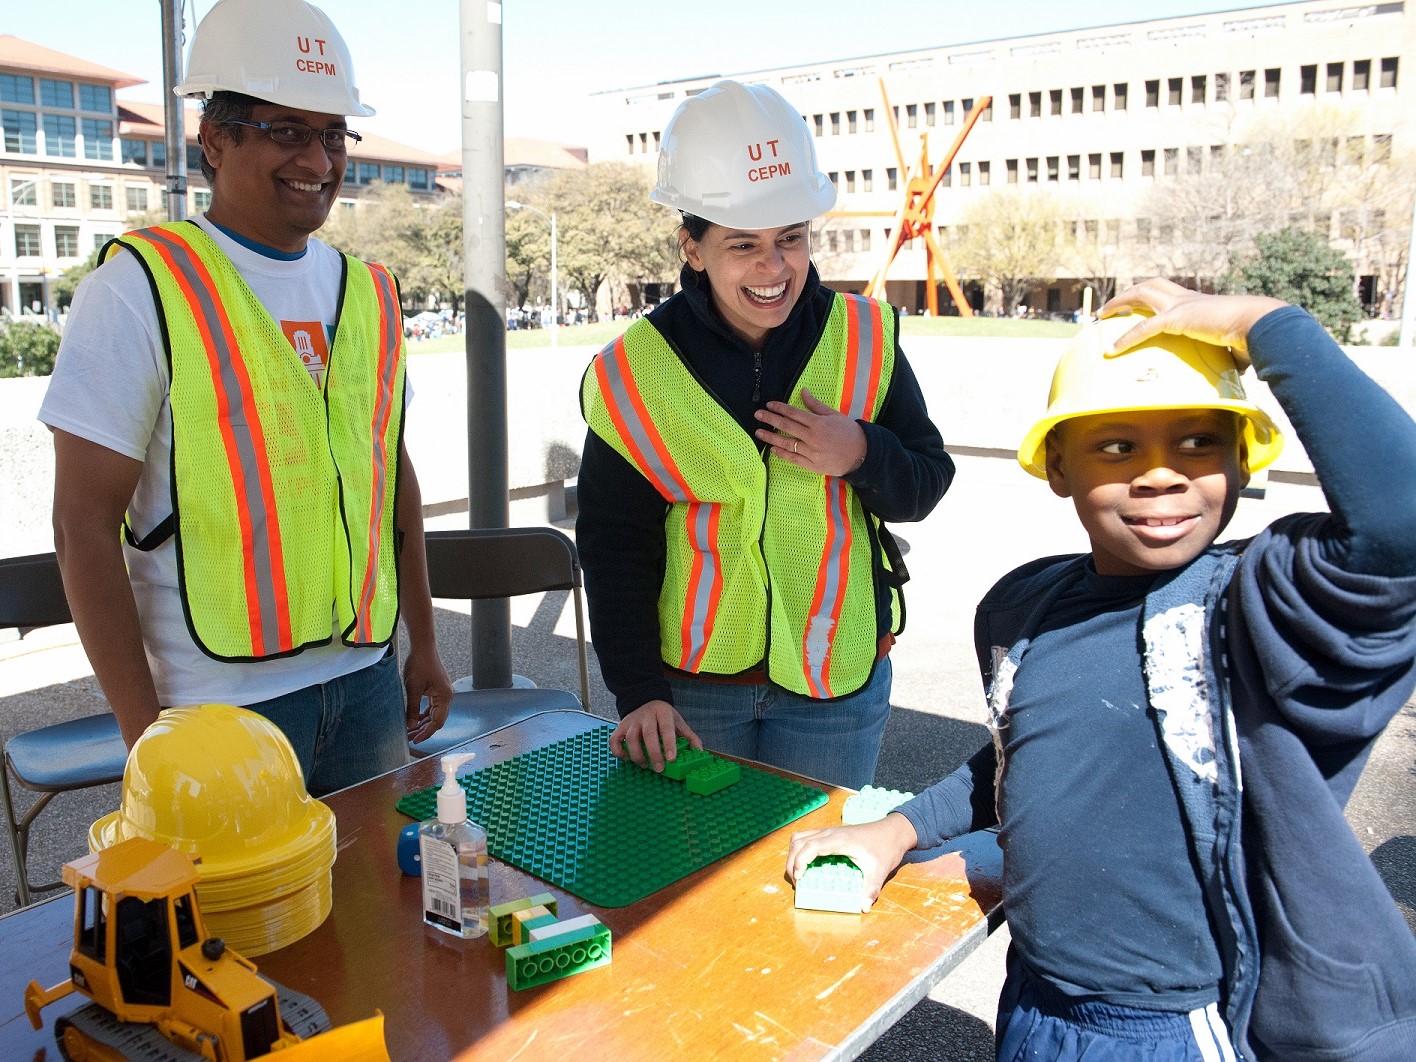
(275, 194)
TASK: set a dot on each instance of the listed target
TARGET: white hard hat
(280, 51)
(741, 155)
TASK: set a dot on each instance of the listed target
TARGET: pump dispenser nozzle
(452, 801)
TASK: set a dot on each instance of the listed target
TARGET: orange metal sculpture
(915, 217)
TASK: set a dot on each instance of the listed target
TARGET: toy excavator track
(93, 1034)
(300, 1014)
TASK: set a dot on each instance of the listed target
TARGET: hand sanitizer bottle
(454, 856)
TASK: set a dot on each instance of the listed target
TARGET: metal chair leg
(19, 841)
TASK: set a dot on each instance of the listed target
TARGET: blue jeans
(1037, 1023)
(834, 741)
(345, 730)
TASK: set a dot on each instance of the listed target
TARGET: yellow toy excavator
(162, 990)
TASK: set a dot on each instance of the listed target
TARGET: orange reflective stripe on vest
(244, 442)
(626, 408)
(390, 339)
(864, 356)
(283, 490)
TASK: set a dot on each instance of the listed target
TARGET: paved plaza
(994, 518)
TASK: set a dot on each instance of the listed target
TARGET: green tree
(607, 227)
(385, 228)
(528, 253)
(439, 235)
(27, 349)
(1300, 268)
(63, 287)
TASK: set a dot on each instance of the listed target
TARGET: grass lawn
(597, 335)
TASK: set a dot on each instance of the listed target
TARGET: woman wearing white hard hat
(748, 440)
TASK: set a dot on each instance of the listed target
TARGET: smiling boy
(1178, 724)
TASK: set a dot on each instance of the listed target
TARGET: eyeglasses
(290, 134)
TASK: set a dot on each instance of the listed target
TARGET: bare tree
(1012, 241)
(1316, 172)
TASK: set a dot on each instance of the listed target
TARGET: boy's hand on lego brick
(649, 735)
(819, 438)
(1221, 320)
(875, 847)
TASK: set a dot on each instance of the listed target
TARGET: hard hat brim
(1262, 439)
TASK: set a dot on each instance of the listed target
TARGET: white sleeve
(110, 378)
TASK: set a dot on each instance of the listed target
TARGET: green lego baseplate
(607, 831)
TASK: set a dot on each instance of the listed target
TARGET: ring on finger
(794, 446)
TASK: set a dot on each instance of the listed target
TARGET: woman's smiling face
(756, 275)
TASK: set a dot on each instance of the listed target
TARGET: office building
(1148, 138)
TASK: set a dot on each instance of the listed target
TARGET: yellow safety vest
(767, 563)
(282, 495)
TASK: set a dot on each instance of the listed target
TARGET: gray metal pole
(484, 255)
(173, 110)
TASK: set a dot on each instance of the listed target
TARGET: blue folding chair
(489, 563)
(59, 758)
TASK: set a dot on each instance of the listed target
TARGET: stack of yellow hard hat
(223, 783)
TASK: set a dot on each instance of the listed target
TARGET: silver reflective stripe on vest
(614, 374)
(701, 592)
(865, 357)
(240, 420)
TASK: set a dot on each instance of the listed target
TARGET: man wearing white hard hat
(748, 442)
(230, 393)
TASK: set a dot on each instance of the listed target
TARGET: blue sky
(407, 59)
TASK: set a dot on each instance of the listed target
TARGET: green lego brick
(686, 761)
(522, 922)
(715, 776)
(831, 883)
(543, 961)
(872, 804)
(607, 831)
(500, 920)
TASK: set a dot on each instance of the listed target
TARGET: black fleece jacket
(620, 526)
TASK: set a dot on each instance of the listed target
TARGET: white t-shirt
(111, 386)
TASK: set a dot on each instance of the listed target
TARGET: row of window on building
(58, 136)
(56, 94)
(1108, 231)
(1356, 76)
(64, 136)
(63, 195)
(29, 236)
(1201, 89)
(1152, 162)
(152, 154)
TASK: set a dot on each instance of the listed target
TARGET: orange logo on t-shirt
(308, 339)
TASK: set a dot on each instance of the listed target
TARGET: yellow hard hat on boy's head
(1165, 372)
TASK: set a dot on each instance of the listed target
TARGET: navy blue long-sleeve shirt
(620, 525)
(1320, 651)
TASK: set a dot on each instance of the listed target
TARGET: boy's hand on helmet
(1221, 320)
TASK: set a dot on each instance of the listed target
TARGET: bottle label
(440, 884)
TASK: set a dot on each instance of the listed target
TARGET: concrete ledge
(983, 393)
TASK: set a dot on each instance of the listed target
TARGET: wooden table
(717, 964)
